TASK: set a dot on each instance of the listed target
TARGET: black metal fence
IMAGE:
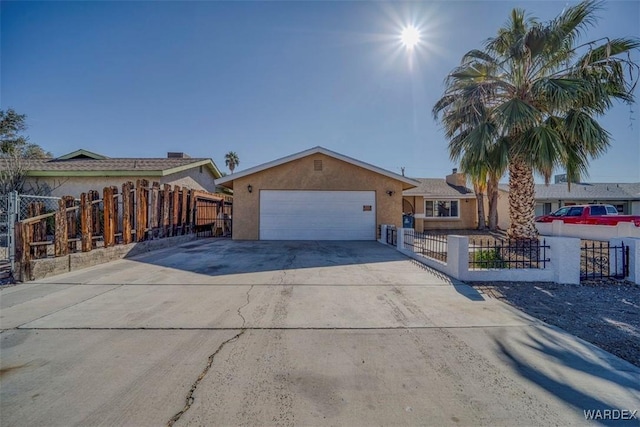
(601, 260)
(508, 254)
(430, 245)
(392, 236)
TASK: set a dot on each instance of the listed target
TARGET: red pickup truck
(589, 214)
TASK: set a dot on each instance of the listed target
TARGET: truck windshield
(560, 212)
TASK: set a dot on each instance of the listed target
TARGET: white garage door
(317, 215)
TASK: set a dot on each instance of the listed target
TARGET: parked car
(589, 214)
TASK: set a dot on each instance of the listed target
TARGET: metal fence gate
(15, 207)
(392, 236)
(601, 260)
(5, 236)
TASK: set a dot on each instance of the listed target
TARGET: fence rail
(508, 254)
(430, 245)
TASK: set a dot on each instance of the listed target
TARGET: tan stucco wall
(467, 220)
(336, 175)
(74, 186)
(503, 210)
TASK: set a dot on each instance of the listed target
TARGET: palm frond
(516, 116)
(582, 130)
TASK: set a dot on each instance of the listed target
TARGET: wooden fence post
(38, 229)
(126, 212)
(175, 217)
(115, 219)
(96, 223)
(183, 219)
(107, 205)
(141, 209)
(72, 222)
(85, 222)
(25, 259)
(165, 210)
(61, 238)
(154, 208)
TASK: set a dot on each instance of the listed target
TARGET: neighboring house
(316, 194)
(83, 170)
(624, 196)
(438, 203)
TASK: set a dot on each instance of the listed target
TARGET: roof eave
(71, 173)
(442, 196)
(208, 163)
(407, 182)
(126, 172)
(82, 152)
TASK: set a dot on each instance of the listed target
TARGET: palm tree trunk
(482, 223)
(492, 195)
(521, 200)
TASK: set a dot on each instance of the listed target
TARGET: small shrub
(488, 258)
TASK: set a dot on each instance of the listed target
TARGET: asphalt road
(217, 332)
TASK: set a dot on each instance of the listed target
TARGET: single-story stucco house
(315, 194)
(82, 170)
(438, 204)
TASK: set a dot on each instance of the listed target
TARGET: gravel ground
(605, 313)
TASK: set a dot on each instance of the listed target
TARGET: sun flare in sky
(410, 37)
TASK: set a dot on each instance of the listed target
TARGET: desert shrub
(488, 258)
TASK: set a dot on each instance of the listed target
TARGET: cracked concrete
(244, 321)
(194, 386)
(333, 333)
(190, 398)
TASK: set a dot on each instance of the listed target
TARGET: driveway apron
(221, 332)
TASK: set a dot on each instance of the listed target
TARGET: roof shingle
(586, 191)
(437, 187)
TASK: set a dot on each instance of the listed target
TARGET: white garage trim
(317, 215)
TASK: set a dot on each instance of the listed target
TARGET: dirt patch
(605, 313)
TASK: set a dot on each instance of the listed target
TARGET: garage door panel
(317, 215)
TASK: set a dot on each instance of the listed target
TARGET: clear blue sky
(265, 79)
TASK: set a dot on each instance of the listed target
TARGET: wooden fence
(139, 212)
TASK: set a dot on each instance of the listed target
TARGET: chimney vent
(455, 170)
(177, 155)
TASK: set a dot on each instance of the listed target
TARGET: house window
(441, 209)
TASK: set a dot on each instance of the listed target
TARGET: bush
(488, 258)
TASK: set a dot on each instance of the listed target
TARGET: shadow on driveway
(545, 343)
(226, 257)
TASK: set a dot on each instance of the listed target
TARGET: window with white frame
(441, 208)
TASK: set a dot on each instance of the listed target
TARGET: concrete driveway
(217, 332)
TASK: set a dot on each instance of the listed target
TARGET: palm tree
(231, 160)
(484, 176)
(480, 156)
(532, 96)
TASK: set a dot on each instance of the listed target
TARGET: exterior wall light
(391, 192)
(249, 188)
